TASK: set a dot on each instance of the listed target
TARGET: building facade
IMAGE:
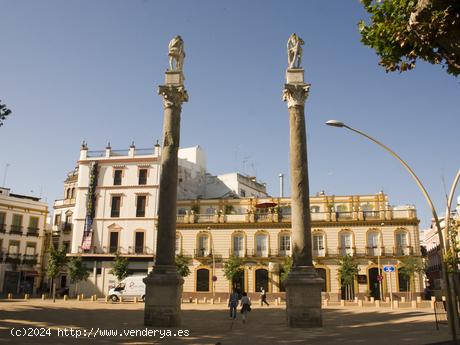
(22, 231)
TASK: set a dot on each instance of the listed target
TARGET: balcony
(375, 251)
(2, 228)
(367, 215)
(319, 253)
(259, 253)
(204, 254)
(66, 227)
(402, 251)
(33, 231)
(139, 250)
(13, 258)
(29, 259)
(16, 230)
(241, 253)
(344, 251)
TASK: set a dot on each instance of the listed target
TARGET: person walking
(263, 296)
(245, 306)
(233, 303)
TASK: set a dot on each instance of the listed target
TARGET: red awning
(266, 205)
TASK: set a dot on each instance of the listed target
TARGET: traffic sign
(379, 277)
(388, 268)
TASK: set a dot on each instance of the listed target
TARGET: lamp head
(335, 123)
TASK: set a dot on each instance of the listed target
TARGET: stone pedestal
(163, 297)
(303, 298)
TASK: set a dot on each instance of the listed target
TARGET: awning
(266, 204)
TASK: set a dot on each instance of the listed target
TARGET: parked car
(129, 287)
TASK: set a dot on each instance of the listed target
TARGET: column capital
(173, 95)
(295, 94)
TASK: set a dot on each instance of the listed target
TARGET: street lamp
(452, 309)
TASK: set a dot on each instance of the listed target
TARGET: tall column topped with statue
(303, 285)
(164, 284)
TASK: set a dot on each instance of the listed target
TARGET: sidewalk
(209, 324)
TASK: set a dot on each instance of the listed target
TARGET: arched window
(285, 244)
(67, 195)
(373, 243)
(238, 248)
(401, 242)
(319, 244)
(73, 193)
(261, 245)
(203, 245)
(346, 243)
(202, 279)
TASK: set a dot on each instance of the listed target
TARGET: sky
(89, 70)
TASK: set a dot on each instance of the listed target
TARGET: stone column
(164, 284)
(303, 286)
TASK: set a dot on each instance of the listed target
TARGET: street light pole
(452, 309)
(380, 267)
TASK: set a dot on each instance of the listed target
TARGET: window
(242, 193)
(285, 244)
(115, 211)
(66, 246)
(178, 244)
(373, 243)
(117, 177)
(262, 245)
(13, 247)
(30, 249)
(33, 223)
(16, 227)
(139, 242)
(73, 193)
(68, 219)
(140, 206)
(203, 245)
(346, 244)
(113, 245)
(142, 176)
(2, 221)
(238, 245)
(57, 219)
(318, 245)
(401, 243)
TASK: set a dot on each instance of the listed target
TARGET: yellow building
(258, 231)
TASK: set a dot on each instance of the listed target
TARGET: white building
(22, 230)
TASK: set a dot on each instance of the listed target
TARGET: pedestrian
(263, 296)
(233, 303)
(245, 306)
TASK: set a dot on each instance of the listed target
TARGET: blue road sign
(388, 268)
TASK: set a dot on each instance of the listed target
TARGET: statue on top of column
(294, 50)
(176, 52)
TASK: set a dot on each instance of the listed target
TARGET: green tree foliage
(233, 269)
(4, 112)
(182, 265)
(77, 271)
(408, 267)
(347, 270)
(402, 31)
(57, 260)
(119, 267)
(285, 268)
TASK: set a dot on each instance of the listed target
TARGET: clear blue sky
(74, 70)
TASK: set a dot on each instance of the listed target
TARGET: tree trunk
(54, 290)
(76, 289)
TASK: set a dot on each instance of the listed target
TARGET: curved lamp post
(452, 310)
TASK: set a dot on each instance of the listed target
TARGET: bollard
(78, 297)
(326, 302)
(433, 298)
(196, 300)
(372, 299)
(82, 297)
(342, 303)
(432, 303)
(10, 295)
(419, 299)
(396, 304)
(276, 301)
(360, 303)
(106, 299)
(356, 299)
(135, 299)
(414, 304)
(387, 299)
(43, 297)
(26, 296)
(121, 298)
(377, 303)
(443, 298)
(218, 299)
(403, 299)
(66, 297)
(279, 300)
(205, 300)
(212, 300)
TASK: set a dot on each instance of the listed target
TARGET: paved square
(209, 324)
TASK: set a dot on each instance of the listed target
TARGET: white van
(129, 287)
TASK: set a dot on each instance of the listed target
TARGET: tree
(56, 262)
(285, 268)
(402, 31)
(119, 267)
(347, 271)
(77, 272)
(233, 269)
(4, 112)
(408, 267)
(182, 263)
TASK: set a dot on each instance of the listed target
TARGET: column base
(303, 298)
(163, 291)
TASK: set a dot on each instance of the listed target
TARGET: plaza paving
(209, 324)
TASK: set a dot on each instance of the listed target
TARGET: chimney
(281, 176)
